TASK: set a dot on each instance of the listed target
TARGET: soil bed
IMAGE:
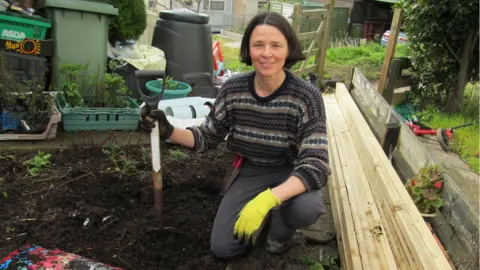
(88, 205)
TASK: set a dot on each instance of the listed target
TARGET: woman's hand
(252, 216)
(150, 116)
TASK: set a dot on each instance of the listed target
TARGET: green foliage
(106, 91)
(177, 155)
(442, 34)
(331, 262)
(170, 83)
(131, 21)
(38, 163)
(73, 83)
(465, 140)
(119, 158)
(425, 188)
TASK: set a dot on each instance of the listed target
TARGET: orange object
(217, 52)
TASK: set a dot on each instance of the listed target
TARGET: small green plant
(170, 83)
(122, 163)
(146, 155)
(108, 91)
(331, 262)
(39, 162)
(177, 155)
(73, 83)
(425, 188)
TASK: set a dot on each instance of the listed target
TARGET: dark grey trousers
(300, 211)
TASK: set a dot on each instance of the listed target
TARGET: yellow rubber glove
(253, 215)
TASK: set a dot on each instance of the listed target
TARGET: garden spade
(152, 99)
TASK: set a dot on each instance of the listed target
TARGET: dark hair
(295, 52)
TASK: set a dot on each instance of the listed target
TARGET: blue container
(183, 89)
(10, 122)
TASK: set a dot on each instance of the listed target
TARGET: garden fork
(151, 100)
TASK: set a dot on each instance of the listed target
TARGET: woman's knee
(226, 248)
(306, 208)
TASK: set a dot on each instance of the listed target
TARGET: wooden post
(392, 44)
(297, 18)
(349, 78)
(395, 78)
(296, 24)
(322, 53)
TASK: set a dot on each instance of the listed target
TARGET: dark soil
(88, 205)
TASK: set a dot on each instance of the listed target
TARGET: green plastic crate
(17, 27)
(98, 119)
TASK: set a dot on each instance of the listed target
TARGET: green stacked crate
(17, 27)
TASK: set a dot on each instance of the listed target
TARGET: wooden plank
(351, 256)
(378, 250)
(314, 51)
(401, 252)
(335, 116)
(308, 35)
(315, 14)
(312, 46)
(373, 159)
(392, 44)
(310, 68)
(421, 243)
(371, 104)
(379, 108)
(342, 232)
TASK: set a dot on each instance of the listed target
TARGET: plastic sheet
(39, 258)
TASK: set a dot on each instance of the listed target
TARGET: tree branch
(161, 5)
(451, 50)
(472, 46)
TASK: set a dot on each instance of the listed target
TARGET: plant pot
(183, 89)
(431, 215)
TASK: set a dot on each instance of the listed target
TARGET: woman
(276, 123)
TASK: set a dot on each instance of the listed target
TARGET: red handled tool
(443, 135)
(232, 173)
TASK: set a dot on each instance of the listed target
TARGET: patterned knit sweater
(288, 126)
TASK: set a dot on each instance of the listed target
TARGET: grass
(465, 140)
(368, 57)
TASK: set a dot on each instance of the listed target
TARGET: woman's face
(268, 50)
